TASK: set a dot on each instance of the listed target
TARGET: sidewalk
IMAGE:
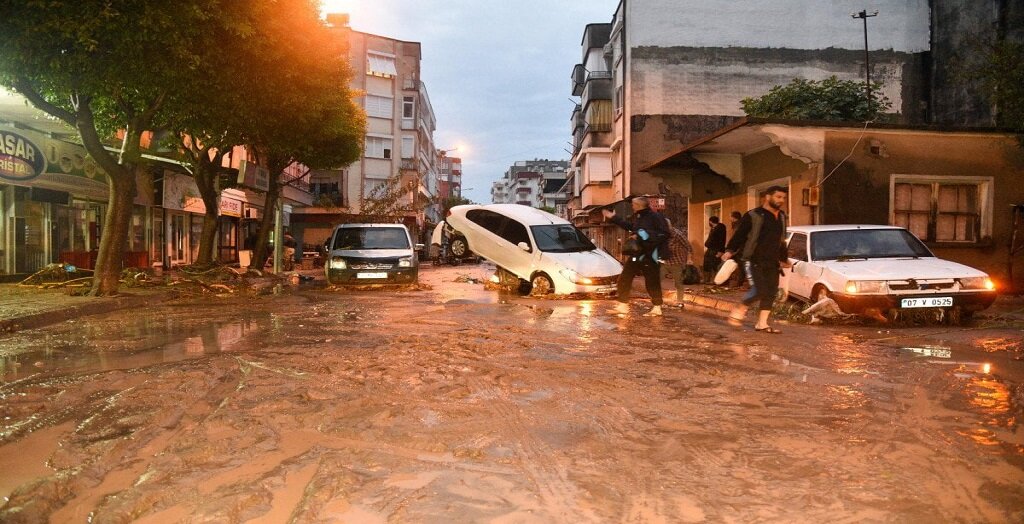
(30, 307)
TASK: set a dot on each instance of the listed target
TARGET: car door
(484, 240)
(804, 273)
(515, 259)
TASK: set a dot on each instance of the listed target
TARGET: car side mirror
(524, 246)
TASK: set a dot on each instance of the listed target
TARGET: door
(804, 274)
(516, 260)
(486, 242)
(178, 241)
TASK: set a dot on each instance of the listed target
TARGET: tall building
(535, 183)
(449, 176)
(399, 142)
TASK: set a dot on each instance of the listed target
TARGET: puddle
(143, 342)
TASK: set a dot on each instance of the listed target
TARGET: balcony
(595, 36)
(408, 164)
(599, 116)
(578, 79)
(577, 118)
(598, 87)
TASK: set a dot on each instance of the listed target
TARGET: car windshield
(561, 238)
(866, 243)
(371, 238)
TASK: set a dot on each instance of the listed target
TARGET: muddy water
(464, 405)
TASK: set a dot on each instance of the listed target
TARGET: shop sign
(20, 158)
(182, 194)
(230, 207)
(253, 176)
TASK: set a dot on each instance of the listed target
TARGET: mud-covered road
(457, 404)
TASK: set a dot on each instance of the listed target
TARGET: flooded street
(457, 404)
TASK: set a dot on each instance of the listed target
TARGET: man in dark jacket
(759, 242)
(713, 248)
(651, 229)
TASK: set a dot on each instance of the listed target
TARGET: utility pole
(864, 15)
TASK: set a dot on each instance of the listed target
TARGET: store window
(157, 252)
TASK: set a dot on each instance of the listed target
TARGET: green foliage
(453, 201)
(1002, 77)
(829, 99)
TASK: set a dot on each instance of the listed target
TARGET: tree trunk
(205, 175)
(107, 276)
(267, 222)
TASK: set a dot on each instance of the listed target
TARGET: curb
(714, 303)
(95, 306)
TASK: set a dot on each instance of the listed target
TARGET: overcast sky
(497, 73)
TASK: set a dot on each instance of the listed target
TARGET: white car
(544, 250)
(881, 268)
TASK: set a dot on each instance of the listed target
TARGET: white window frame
(985, 200)
(379, 147)
(378, 106)
(408, 147)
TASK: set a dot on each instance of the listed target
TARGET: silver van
(361, 254)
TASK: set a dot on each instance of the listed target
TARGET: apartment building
(665, 73)
(449, 176)
(399, 142)
(535, 183)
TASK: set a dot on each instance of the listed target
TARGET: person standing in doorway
(680, 251)
(651, 229)
(759, 242)
(713, 248)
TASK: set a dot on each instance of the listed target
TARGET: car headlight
(575, 277)
(405, 262)
(977, 283)
(338, 263)
(864, 286)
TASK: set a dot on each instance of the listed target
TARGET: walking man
(680, 250)
(759, 242)
(650, 228)
(737, 278)
(713, 248)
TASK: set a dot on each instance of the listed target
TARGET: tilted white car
(882, 268)
(542, 249)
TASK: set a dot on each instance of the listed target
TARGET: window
(380, 106)
(949, 210)
(488, 220)
(408, 147)
(561, 238)
(408, 107)
(350, 238)
(514, 232)
(379, 64)
(378, 147)
(798, 247)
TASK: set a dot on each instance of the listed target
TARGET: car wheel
(541, 284)
(459, 247)
(820, 292)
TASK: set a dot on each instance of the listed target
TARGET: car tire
(541, 284)
(459, 248)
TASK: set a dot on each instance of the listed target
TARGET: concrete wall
(858, 191)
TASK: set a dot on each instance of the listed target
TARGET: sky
(497, 73)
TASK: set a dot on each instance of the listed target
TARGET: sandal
(768, 329)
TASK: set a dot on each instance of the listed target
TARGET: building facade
(449, 181)
(664, 73)
(539, 183)
(399, 142)
(53, 199)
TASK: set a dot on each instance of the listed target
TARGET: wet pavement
(460, 404)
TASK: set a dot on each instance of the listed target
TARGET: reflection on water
(931, 351)
(144, 341)
(847, 397)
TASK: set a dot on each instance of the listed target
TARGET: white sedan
(881, 268)
(545, 251)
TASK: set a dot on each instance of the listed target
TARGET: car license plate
(927, 302)
(371, 275)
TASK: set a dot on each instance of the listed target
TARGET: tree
(1002, 77)
(103, 66)
(829, 99)
(386, 200)
(311, 117)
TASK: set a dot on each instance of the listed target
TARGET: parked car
(545, 251)
(359, 254)
(881, 268)
(448, 245)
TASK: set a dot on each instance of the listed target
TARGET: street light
(864, 15)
